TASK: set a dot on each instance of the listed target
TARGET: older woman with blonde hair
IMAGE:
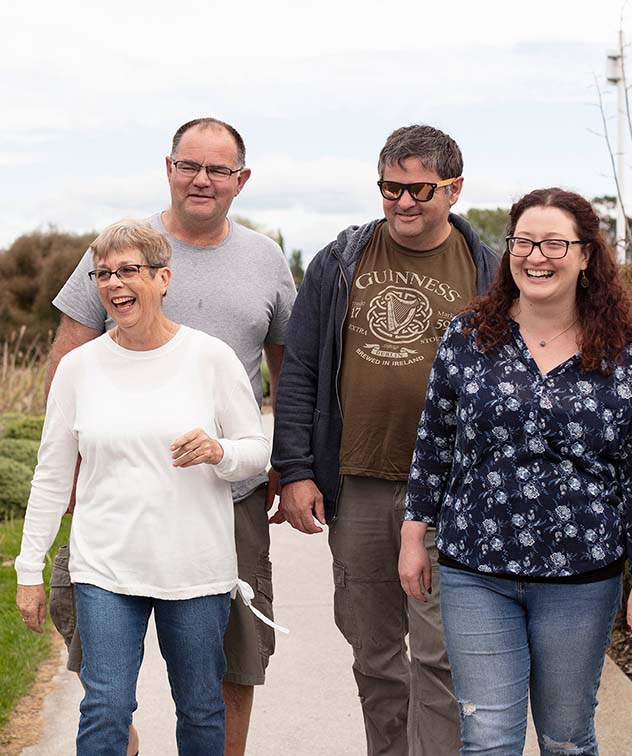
(163, 417)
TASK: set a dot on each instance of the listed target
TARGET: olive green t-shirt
(401, 303)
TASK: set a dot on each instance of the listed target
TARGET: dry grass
(22, 374)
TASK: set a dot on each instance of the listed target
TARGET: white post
(615, 76)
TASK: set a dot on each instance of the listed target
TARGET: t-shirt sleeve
(285, 296)
(79, 298)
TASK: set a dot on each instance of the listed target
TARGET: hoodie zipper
(338, 369)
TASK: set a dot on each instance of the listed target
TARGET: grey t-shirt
(240, 291)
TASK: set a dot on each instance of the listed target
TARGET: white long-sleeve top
(141, 526)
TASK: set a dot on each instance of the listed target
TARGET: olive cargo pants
(407, 699)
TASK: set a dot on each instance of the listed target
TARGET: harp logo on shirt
(396, 321)
(399, 315)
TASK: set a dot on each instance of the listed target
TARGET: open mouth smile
(540, 273)
(123, 304)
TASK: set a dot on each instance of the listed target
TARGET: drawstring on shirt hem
(247, 594)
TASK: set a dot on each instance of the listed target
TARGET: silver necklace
(544, 342)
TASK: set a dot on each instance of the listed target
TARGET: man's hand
(301, 502)
(415, 568)
(274, 489)
(194, 448)
(31, 603)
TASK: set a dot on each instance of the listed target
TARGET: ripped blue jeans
(507, 640)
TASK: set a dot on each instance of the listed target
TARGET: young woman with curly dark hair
(523, 462)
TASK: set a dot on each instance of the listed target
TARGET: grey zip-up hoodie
(308, 417)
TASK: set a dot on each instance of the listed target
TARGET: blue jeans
(190, 634)
(506, 637)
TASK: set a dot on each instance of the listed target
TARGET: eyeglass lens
(125, 273)
(549, 247)
(421, 191)
(189, 168)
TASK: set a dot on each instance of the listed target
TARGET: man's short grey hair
(211, 123)
(132, 234)
(437, 151)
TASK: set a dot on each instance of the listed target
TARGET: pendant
(543, 343)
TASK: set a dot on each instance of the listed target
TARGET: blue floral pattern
(523, 473)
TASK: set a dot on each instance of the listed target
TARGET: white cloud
(92, 93)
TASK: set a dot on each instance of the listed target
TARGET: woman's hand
(629, 614)
(194, 448)
(415, 568)
(31, 603)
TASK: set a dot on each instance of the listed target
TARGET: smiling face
(539, 278)
(418, 225)
(199, 199)
(134, 305)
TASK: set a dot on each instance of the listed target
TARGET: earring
(583, 281)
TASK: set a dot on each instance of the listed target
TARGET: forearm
(413, 533)
(274, 360)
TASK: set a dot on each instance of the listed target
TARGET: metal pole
(621, 245)
(615, 76)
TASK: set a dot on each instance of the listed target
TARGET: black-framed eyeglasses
(554, 249)
(101, 276)
(215, 172)
(420, 191)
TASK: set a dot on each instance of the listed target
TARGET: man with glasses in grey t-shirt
(235, 284)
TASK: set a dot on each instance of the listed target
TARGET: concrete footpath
(309, 706)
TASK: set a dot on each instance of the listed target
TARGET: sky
(91, 94)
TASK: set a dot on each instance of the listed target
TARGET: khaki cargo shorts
(62, 608)
(248, 642)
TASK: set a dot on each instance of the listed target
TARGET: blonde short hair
(130, 233)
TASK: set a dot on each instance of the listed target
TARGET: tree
(296, 267)
(276, 236)
(606, 209)
(32, 270)
(490, 225)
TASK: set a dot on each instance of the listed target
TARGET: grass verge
(21, 650)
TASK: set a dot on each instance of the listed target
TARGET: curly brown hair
(604, 308)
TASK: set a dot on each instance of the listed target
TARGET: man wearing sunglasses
(362, 337)
(235, 284)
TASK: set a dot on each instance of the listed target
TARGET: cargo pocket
(263, 602)
(62, 597)
(343, 607)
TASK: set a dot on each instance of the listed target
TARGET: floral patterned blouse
(523, 473)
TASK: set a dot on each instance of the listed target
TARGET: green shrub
(6, 420)
(20, 450)
(27, 426)
(15, 482)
